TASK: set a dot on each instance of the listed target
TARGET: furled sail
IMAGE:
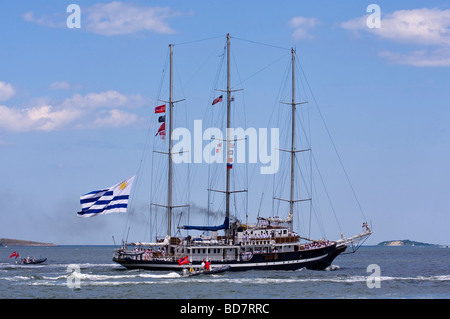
(225, 225)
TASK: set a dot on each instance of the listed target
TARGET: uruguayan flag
(105, 201)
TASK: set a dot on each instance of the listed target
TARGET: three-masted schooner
(270, 244)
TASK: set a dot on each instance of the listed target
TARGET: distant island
(405, 242)
(17, 242)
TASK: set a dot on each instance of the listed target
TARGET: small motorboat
(216, 270)
(31, 261)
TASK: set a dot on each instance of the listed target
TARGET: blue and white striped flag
(105, 201)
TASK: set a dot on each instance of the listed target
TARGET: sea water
(88, 272)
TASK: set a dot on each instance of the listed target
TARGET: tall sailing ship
(269, 244)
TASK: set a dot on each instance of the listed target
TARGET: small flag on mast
(162, 130)
(14, 254)
(217, 100)
(160, 109)
(105, 201)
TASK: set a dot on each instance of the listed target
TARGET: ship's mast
(169, 186)
(171, 102)
(227, 192)
(292, 149)
(291, 197)
(229, 159)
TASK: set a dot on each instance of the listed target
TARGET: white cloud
(418, 26)
(93, 110)
(60, 85)
(114, 18)
(302, 27)
(42, 118)
(108, 99)
(423, 27)
(115, 118)
(6, 91)
(117, 18)
(55, 21)
(420, 58)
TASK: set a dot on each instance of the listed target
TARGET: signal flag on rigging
(160, 109)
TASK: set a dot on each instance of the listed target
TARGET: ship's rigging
(271, 243)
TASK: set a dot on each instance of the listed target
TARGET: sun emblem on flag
(123, 185)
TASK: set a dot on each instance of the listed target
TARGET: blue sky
(76, 104)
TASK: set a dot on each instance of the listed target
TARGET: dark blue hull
(315, 259)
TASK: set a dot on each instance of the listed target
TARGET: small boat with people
(26, 261)
(205, 269)
(31, 261)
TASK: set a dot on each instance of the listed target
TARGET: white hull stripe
(273, 263)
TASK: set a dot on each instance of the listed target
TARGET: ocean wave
(337, 279)
(332, 268)
(16, 278)
(110, 265)
(97, 277)
(435, 278)
(7, 266)
(149, 278)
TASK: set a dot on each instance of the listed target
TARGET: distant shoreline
(18, 242)
(405, 242)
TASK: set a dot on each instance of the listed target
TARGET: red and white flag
(217, 100)
(160, 109)
(162, 131)
(14, 254)
(183, 261)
